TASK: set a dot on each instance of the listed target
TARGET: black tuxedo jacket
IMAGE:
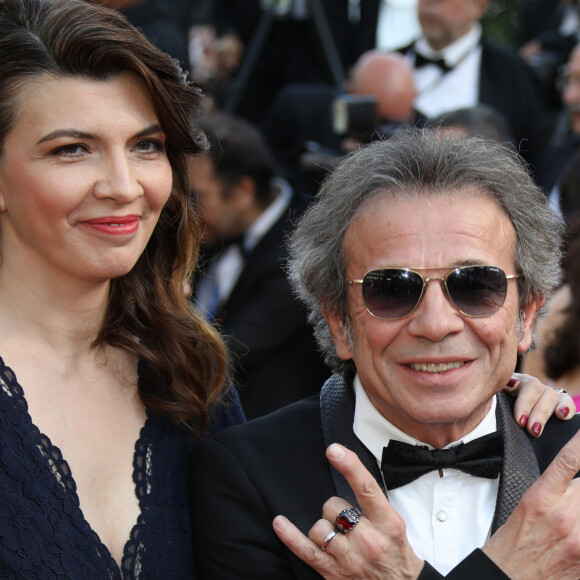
(507, 84)
(274, 354)
(245, 476)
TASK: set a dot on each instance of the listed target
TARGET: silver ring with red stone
(347, 519)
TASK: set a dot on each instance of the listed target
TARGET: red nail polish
(524, 420)
(512, 382)
(565, 411)
(537, 428)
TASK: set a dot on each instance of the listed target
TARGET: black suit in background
(247, 475)
(553, 163)
(301, 113)
(275, 357)
(540, 20)
(535, 17)
(507, 84)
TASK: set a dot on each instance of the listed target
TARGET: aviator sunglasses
(394, 293)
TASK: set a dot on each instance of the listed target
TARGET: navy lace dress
(43, 533)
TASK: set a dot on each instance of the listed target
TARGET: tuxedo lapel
(337, 414)
(520, 467)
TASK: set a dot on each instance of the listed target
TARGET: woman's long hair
(148, 313)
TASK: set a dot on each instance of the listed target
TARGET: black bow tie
(421, 60)
(403, 463)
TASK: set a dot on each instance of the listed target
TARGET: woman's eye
(150, 146)
(73, 150)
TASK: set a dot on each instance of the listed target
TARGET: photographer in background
(310, 127)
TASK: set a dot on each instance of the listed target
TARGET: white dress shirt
(446, 517)
(439, 92)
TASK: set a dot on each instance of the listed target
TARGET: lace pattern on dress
(142, 472)
(44, 535)
(47, 508)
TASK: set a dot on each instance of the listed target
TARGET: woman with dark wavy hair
(107, 376)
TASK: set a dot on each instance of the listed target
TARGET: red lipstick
(115, 225)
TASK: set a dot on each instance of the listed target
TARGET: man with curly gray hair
(424, 261)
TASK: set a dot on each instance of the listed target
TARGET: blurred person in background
(245, 213)
(290, 42)
(311, 127)
(552, 165)
(556, 359)
(456, 66)
(546, 33)
(477, 121)
(548, 29)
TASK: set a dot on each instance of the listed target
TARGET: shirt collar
(456, 51)
(270, 215)
(375, 432)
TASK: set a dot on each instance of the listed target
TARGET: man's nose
(435, 316)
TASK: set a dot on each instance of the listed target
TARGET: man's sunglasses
(394, 293)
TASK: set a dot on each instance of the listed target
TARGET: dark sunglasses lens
(391, 293)
(477, 290)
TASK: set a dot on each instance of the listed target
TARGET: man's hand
(541, 539)
(536, 403)
(376, 548)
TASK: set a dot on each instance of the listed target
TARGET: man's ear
(338, 330)
(527, 323)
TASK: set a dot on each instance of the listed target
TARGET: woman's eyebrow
(76, 134)
(71, 133)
